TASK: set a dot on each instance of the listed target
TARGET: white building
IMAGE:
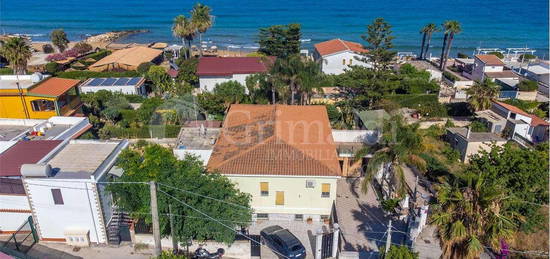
(337, 55)
(54, 128)
(490, 66)
(67, 200)
(125, 85)
(215, 70)
(284, 156)
(537, 71)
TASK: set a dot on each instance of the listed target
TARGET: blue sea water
(485, 23)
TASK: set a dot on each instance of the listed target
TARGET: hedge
(158, 131)
(82, 75)
(6, 71)
(98, 55)
(450, 76)
(412, 100)
(528, 86)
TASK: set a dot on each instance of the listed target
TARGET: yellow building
(30, 97)
(283, 156)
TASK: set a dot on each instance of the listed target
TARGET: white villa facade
(335, 56)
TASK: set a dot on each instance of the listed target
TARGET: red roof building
(24, 152)
(54, 86)
(226, 66)
(337, 45)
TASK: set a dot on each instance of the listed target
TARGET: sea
(485, 23)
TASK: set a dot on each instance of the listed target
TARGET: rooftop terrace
(56, 127)
(476, 136)
(9, 82)
(194, 138)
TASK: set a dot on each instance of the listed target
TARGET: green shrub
(526, 56)
(6, 71)
(98, 55)
(156, 131)
(434, 168)
(144, 67)
(47, 48)
(496, 53)
(389, 205)
(82, 75)
(462, 55)
(451, 154)
(52, 67)
(451, 76)
(478, 126)
(528, 86)
(134, 98)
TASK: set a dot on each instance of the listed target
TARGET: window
(264, 188)
(324, 217)
(42, 105)
(325, 190)
(299, 217)
(350, 61)
(261, 216)
(512, 116)
(344, 62)
(280, 198)
(57, 198)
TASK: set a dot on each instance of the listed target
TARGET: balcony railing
(68, 108)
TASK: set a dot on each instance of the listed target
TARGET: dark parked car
(283, 242)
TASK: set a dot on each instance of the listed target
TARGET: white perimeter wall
(14, 210)
(81, 209)
(333, 64)
(207, 83)
(126, 89)
(360, 136)
(297, 198)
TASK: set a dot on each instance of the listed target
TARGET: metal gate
(24, 237)
(255, 247)
(326, 245)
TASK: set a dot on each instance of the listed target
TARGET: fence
(23, 239)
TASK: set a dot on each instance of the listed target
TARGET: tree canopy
(280, 40)
(156, 163)
(523, 174)
(17, 52)
(59, 39)
(379, 38)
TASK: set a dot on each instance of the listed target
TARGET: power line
(208, 216)
(204, 196)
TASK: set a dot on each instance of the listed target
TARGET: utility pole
(415, 188)
(388, 239)
(155, 216)
(173, 231)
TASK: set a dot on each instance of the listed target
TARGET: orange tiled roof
(133, 56)
(54, 86)
(490, 60)
(276, 140)
(338, 45)
(535, 120)
(503, 74)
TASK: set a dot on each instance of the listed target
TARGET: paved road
(362, 221)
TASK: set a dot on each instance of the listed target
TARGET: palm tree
(183, 28)
(200, 17)
(470, 215)
(310, 80)
(288, 71)
(428, 30)
(399, 145)
(481, 95)
(451, 28)
(17, 52)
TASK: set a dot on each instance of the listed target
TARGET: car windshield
(296, 248)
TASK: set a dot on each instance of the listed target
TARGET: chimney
(468, 133)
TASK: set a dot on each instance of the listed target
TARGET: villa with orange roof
(337, 55)
(490, 66)
(38, 97)
(284, 156)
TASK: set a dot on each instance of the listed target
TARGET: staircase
(118, 220)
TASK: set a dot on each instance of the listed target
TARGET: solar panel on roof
(134, 80)
(96, 81)
(122, 81)
(109, 81)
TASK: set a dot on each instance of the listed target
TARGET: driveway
(362, 221)
(302, 230)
